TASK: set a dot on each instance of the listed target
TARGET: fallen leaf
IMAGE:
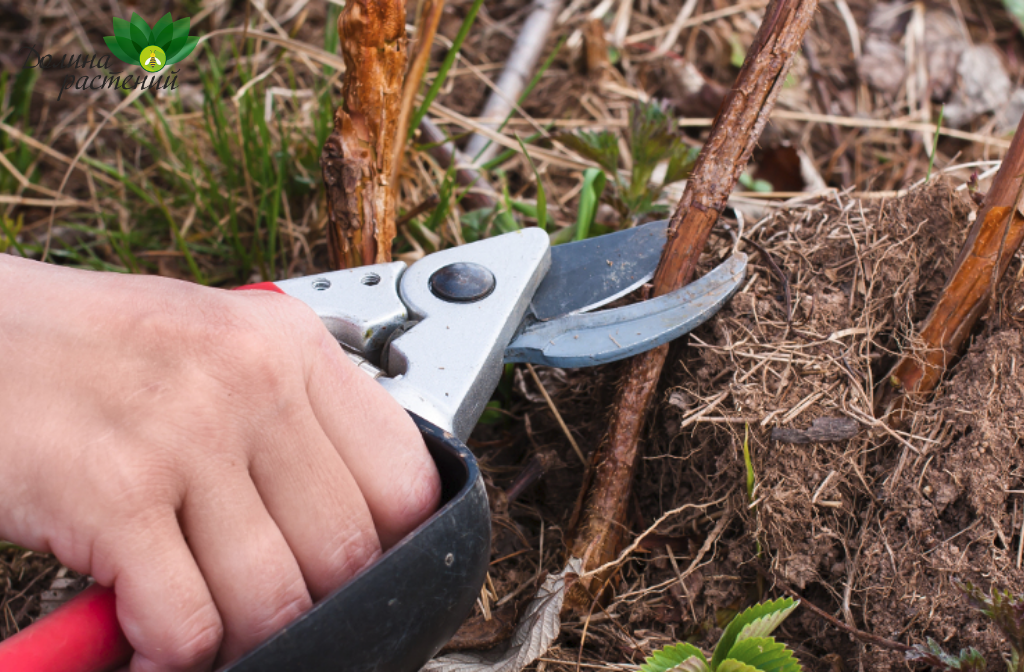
(536, 631)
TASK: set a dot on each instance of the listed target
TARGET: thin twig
(558, 416)
(859, 634)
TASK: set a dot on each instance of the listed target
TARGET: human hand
(214, 456)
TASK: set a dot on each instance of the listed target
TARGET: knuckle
(285, 602)
(194, 642)
(419, 495)
(352, 552)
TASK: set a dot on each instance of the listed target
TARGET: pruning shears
(435, 334)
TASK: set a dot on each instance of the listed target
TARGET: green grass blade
(525, 94)
(590, 198)
(542, 201)
(935, 143)
(446, 65)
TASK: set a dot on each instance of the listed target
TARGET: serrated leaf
(651, 135)
(765, 654)
(681, 657)
(601, 147)
(163, 31)
(122, 34)
(969, 660)
(179, 38)
(731, 665)
(746, 617)
(537, 629)
(764, 626)
(186, 49)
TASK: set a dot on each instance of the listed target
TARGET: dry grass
(221, 186)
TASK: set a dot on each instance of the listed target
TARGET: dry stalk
(428, 16)
(602, 505)
(358, 156)
(991, 243)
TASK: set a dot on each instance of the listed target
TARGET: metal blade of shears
(610, 335)
(591, 273)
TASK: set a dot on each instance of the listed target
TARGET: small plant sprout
(932, 654)
(745, 646)
(1007, 612)
(652, 137)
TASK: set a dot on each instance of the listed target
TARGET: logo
(155, 48)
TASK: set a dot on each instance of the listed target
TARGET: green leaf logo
(166, 43)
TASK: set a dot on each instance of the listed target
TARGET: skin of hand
(212, 455)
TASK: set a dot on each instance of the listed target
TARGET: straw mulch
(872, 528)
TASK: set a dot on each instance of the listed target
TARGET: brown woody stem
(358, 156)
(991, 243)
(602, 506)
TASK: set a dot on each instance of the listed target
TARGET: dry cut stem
(358, 157)
(602, 506)
(992, 242)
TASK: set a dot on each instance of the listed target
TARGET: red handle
(81, 636)
(268, 286)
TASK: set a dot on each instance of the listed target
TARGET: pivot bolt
(462, 282)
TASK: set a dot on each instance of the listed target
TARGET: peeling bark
(601, 510)
(991, 243)
(358, 156)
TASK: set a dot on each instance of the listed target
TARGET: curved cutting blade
(611, 335)
(591, 273)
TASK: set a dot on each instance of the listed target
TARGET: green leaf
(492, 414)
(932, 654)
(745, 618)
(765, 625)
(681, 162)
(446, 65)
(734, 666)
(139, 32)
(1004, 608)
(122, 27)
(122, 33)
(590, 197)
(179, 37)
(737, 52)
(163, 31)
(760, 186)
(681, 657)
(190, 44)
(652, 134)
(601, 147)
(542, 201)
(765, 654)
(116, 49)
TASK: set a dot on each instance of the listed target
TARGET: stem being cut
(993, 240)
(358, 156)
(744, 114)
